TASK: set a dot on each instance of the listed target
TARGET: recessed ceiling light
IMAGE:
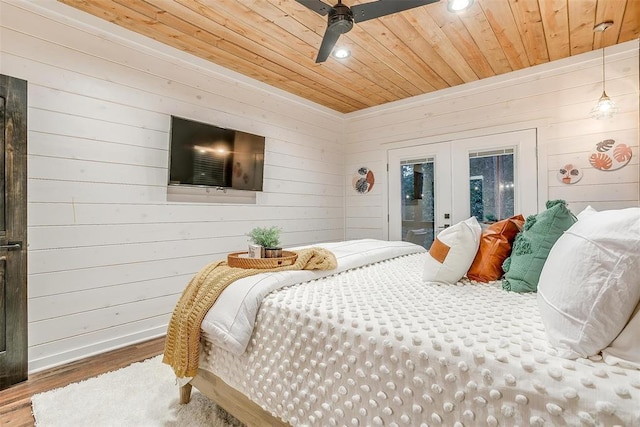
(458, 5)
(341, 53)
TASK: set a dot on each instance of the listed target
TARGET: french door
(420, 197)
(433, 186)
(13, 231)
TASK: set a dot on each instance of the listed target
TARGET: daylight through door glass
(491, 185)
(418, 209)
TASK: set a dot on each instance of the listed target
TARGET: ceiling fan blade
(376, 9)
(328, 42)
(316, 5)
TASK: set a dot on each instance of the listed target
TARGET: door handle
(11, 246)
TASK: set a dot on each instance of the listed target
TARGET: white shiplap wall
(554, 98)
(108, 255)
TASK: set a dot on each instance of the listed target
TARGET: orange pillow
(495, 247)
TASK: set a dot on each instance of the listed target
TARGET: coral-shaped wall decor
(363, 180)
(610, 155)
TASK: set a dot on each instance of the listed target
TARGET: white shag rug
(142, 394)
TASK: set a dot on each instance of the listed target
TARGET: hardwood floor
(15, 402)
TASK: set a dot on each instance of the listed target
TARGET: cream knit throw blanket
(182, 344)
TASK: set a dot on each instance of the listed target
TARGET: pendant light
(605, 108)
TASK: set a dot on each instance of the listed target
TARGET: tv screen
(207, 155)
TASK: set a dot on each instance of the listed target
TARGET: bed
(371, 344)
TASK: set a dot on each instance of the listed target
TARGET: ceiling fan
(342, 17)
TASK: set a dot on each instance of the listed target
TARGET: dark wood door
(13, 231)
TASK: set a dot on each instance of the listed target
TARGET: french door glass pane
(418, 213)
(491, 179)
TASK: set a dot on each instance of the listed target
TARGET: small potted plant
(269, 239)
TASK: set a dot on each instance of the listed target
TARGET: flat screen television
(210, 156)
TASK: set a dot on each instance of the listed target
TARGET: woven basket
(237, 259)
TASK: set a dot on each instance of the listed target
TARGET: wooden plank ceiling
(394, 57)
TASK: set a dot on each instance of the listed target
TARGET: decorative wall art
(610, 155)
(363, 180)
(569, 174)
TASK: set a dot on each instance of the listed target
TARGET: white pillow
(452, 252)
(586, 212)
(590, 283)
(625, 349)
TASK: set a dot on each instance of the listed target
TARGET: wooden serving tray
(240, 260)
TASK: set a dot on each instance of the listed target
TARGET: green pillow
(532, 245)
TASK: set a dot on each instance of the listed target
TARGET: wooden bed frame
(230, 399)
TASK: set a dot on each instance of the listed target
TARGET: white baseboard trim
(75, 354)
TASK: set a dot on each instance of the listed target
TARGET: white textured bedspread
(229, 323)
(375, 346)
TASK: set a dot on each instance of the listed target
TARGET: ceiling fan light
(458, 5)
(605, 108)
(341, 53)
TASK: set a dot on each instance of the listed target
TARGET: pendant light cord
(603, 79)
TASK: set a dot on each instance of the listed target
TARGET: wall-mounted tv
(211, 156)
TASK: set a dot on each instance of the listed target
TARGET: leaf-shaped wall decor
(610, 155)
(605, 145)
(622, 153)
(600, 161)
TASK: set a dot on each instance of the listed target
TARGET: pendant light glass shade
(605, 108)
